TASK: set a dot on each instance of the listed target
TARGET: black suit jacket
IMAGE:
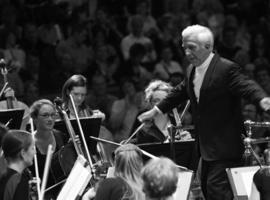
(217, 116)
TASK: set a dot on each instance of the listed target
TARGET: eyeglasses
(47, 115)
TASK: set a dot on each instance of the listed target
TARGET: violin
(77, 145)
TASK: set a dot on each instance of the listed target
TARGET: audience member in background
(31, 92)
(134, 69)
(30, 41)
(81, 54)
(249, 69)
(143, 9)
(262, 76)
(166, 66)
(14, 55)
(228, 47)
(160, 178)
(19, 150)
(99, 96)
(125, 110)
(105, 64)
(168, 36)
(259, 50)
(126, 183)
(136, 36)
(9, 22)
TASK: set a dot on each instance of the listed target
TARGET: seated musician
(44, 114)
(19, 151)
(9, 93)
(157, 130)
(126, 183)
(76, 85)
(160, 177)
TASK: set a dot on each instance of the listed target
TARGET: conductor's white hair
(156, 85)
(203, 34)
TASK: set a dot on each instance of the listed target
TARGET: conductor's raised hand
(265, 104)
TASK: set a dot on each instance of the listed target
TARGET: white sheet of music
(183, 186)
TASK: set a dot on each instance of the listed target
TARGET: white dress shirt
(199, 75)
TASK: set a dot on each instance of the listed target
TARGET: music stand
(12, 118)
(183, 151)
(90, 127)
(241, 179)
(183, 185)
(77, 180)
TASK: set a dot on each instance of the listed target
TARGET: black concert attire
(262, 181)
(55, 173)
(14, 186)
(218, 120)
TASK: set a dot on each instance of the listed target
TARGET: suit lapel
(208, 75)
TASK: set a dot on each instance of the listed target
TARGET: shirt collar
(206, 63)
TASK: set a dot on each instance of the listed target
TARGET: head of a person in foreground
(160, 178)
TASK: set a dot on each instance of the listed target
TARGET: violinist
(157, 129)
(76, 85)
(126, 183)
(44, 114)
(19, 151)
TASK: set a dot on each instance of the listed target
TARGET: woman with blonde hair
(126, 183)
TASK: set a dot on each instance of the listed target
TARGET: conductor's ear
(207, 46)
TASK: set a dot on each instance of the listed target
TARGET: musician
(44, 114)
(215, 87)
(126, 183)
(160, 177)
(9, 93)
(156, 130)
(76, 85)
(19, 151)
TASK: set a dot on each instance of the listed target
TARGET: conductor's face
(196, 51)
